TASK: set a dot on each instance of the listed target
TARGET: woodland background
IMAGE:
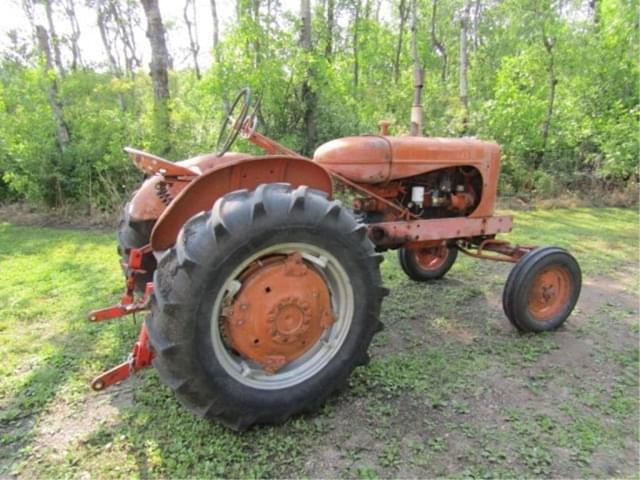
(554, 82)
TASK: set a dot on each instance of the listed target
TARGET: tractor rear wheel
(265, 305)
(135, 234)
(542, 290)
(427, 263)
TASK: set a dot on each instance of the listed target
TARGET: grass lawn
(452, 390)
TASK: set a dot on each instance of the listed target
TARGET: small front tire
(423, 265)
(542, 290)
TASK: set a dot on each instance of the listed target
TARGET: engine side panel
(202, 193)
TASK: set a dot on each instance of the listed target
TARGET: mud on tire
(191, 277)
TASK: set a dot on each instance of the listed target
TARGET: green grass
(452, 390)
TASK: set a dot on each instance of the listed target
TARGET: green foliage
(593, 134)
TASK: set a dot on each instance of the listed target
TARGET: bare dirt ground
(507, 414)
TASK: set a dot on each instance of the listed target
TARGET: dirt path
(545, 409)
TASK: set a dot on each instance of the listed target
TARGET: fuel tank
(378, 159)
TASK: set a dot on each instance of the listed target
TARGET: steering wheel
(233, 124)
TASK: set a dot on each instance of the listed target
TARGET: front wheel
(265, 305)
(542, 290)
(426, 264)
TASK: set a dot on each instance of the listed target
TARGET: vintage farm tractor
(264, 292)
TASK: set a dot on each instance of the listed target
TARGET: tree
(464, 64)
(308, 95)
(330, 19)
(216, 28)
(192, 29)
(403, 13)
(159, 73)
(418, 69)
(70, 11)
(55, 41)
(438, 46)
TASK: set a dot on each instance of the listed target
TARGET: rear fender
(248, 173)
(159, 190)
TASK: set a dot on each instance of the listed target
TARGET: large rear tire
(135, 234)
(223, 303)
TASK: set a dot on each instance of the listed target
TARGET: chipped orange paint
(280, 312)
(431, 258)
(377, 160)
(549, 293)
(243, 173)
(147, 204)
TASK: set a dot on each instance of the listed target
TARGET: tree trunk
(328, 50)
(62, 132)
(256, 42)
(103, 27)
(70, 10)
(55, 42)
(549, 44)
(475, 25)
(124, 22)
(159, 72)
(439, 47)
(402, 8)
(216, 29)
(464, 87)
(308, 95)
(356, 27)
(416, 109)
(192, 30)
(595, 11)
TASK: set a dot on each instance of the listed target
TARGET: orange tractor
(264, 292)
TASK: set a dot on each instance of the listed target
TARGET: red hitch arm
(141, 354)
(139, 358)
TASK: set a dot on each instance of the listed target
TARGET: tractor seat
(152, 164)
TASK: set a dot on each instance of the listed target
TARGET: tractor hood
(376, 159)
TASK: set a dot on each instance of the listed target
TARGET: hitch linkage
(141, 354)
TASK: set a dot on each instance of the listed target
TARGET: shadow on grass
(51, 324)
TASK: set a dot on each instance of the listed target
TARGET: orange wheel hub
(549, 293)
(431, 258)
(279, 313)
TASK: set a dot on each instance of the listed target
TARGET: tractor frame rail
(503, 250)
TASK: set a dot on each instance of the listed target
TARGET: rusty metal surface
(140, 357)
(368, 160)
(365, 159)
(431, 258)
(240, 174)
(270, 146)
(158, 191)
(392, 234)
(152, 164)
(281, 311)
(550, 293)
(502, 251)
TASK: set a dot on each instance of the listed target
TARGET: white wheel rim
(317, 357)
